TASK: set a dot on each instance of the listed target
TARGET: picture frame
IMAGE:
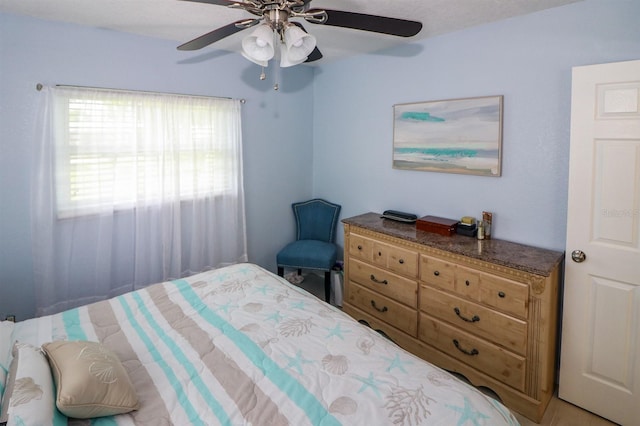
(461, 136)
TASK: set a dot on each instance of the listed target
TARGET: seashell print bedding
(242, 346)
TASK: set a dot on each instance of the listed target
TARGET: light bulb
(260, 42)
(298, 46)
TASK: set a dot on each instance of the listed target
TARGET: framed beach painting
(451, 136)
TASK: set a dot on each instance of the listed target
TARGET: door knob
(578, 256)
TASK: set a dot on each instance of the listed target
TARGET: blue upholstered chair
(314, 247)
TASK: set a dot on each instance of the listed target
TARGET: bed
(232, 346)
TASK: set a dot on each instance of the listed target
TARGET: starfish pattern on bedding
(297, 362)
(225, 308)
(276, 316)
(369, 382)
(336, 331)
(262, 289)
(220, 277)
(468, 413)
(397, 363)
(245, 270)
(298, 305)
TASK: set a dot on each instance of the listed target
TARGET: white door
(600, 356)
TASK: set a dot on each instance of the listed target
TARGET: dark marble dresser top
(513, 255)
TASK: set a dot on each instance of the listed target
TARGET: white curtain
(132, 188)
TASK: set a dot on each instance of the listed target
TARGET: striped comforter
(241, 346)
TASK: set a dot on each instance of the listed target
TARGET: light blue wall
(276, 126)
(329, 135)
(527, 59)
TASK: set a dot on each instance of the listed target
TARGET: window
(115, 149)
(130, 189)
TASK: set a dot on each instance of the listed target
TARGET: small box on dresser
(485, 309)
(437, 225)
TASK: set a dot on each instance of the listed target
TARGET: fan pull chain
(263, 77)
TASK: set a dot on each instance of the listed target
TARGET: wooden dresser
(485, 309)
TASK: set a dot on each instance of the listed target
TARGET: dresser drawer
(503, 294)
(468, 316)
(467, 282)
(361, 247)
(386, 283)
(486, 357)
(437, 272)
(392, 333)
(396, 259)
(383, 308)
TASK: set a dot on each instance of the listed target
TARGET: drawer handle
(467, 283)
(401, 261)
(475, 318)
(472, 352)
(436, 273)
(501, 294)
(379, 253)
(359, 247)
(375, 280)
(384, 308)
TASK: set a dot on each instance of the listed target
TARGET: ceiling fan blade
(315, 53)
(374, 23)
(218, 2)
(301, 7)
(251, 6)
(211, 37)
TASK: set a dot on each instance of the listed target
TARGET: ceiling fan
(274, 29)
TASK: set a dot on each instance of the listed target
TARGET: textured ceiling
(181, 21)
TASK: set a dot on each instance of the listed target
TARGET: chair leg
(327, 286)
(281, 271)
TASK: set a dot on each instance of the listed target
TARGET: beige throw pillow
(90, 380)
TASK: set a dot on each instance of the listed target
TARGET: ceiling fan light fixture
(285, 62)
(274, 16)
(297, 46)
(255, 61)
(258, 47)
